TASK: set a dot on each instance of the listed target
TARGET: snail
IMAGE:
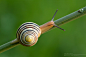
(29, 32)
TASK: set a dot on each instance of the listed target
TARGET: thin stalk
(59, 22)
(8, 45)
(70, 17)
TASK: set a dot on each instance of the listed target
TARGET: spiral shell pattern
(28, 33)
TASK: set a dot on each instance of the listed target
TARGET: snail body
(28, 33)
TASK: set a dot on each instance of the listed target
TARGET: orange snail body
(28, 33)
(49, 25)
(46, 26)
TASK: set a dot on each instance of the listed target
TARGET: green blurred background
(54, 43)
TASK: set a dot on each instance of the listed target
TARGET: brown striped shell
(28, 33)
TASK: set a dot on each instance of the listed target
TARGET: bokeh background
(54, 43)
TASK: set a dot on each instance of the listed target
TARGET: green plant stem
(8, 45)
(58, 22)
(71, 16)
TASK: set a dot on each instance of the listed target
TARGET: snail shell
(28, 33)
